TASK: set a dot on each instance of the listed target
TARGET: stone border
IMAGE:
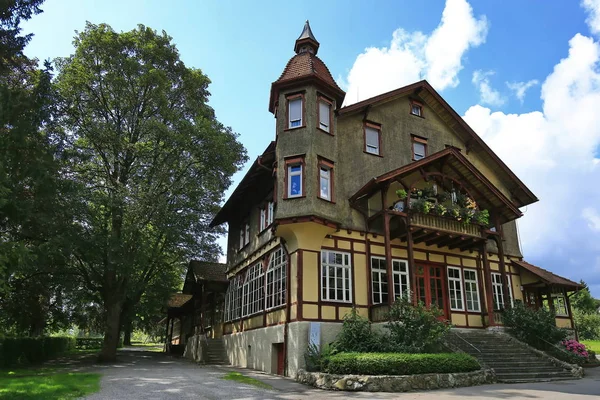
(394, 383)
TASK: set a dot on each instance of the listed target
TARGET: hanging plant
(440, 209)
(483, 217)
(401, 193)
(422, 205)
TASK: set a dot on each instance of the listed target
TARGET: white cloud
(414, 56)
(555, 152)
(592, 217)
(520, 88)
(593, 9)
(487, 95)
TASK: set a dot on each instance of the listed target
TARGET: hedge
(87, 343)
(399, 363)
(15, 351)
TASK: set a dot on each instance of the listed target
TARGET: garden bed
(395, 383)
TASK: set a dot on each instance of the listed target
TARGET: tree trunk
(127, 328)
(111, 331)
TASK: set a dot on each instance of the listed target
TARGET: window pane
(372, 139)
(419, 150)
(324, 184)
(416, 110)
(295, 112)
(324, 109)
(295, 185)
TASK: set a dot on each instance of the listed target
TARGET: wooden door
(431, 289)
(280, 354)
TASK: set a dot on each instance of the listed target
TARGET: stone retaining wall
(394, 383)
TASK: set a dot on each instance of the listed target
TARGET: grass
(153, 347)
(42, 384)
(237, 377)
(592, 345)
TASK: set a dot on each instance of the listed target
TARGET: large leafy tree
(150, 159)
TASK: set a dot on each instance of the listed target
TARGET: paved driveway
(154, 376)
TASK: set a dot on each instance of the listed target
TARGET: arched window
(276, 279)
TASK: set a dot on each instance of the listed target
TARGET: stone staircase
(512, 361)
(215, 352)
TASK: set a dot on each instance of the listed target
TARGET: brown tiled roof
(547, 276)
(209, 271)
(307, 64)
(178, 300)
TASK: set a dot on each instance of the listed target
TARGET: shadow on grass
(48, 387)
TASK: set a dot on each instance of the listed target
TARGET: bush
(317, 360)
(357, 336)
(89, 343)
(535, 327)
(400, 364)
(587, 325)
(15, 351)
(414, 328)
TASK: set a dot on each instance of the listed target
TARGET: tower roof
(306, 41)
(306, 67)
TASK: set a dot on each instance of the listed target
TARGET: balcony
(442, 224)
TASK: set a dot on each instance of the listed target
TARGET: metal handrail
(467, 342)
(555, 346)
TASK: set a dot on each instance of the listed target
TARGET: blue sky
(470, 51)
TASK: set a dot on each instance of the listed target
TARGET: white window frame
(253, 292)
(497, 292)
(398, 275)
(455, 291)
(276, 289)
(560, 305)
(341, 271)
(299, 120)
(469, 284)
(416, 155)
(325, 126)
(419, 107)
(377, 292)
(270, 212)
(233, 299)
(289, 179)
(325, 174)
(369, 148)
(266, 216)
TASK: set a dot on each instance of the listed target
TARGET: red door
(430, 286)
(280, 358)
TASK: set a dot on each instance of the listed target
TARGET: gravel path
(155, 376)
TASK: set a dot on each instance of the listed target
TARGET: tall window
(325, 179)
(336, 281)
(416, 108)
(295, 107)
(471, 290)
(244, 234)
(276, 275)
(455, 289)
(379, 281)
(325, 120)
(400, 271)
(560, 304)
(497, 291)
(373, 139)
(233, 299)
(266, 215)
(294, 177)
(253, 290)
(419, 148)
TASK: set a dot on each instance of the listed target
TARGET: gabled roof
(460, 169)
(208, 271)
(178, 300)
(521, 193)
(548, 277)
(254, 187)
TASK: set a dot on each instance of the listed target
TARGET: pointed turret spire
(306, 41)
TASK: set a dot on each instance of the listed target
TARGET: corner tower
(304, 101)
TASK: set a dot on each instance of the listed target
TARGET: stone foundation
(394, 383)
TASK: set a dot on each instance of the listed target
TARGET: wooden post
(569, 311)
(488, 285)
(388, 255)
(480, 282)
(411, 261)
(167, 333)
(505, 281)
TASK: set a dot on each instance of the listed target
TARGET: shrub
(400, 364)
(573, 346)
(588, 325)
(317, 360)
(89, 343)
(414, 328)
(536, 327)
(15, 351)
(356, 335)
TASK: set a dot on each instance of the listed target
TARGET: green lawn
(237, 377)
(42, 384)
(592, 345)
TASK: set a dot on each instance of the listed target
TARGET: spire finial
(306, 42)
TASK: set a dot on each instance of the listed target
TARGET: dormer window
(295, 111)
(416, 108)
(419, 148)
(325, 120)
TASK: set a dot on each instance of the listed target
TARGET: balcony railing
(445, 224)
